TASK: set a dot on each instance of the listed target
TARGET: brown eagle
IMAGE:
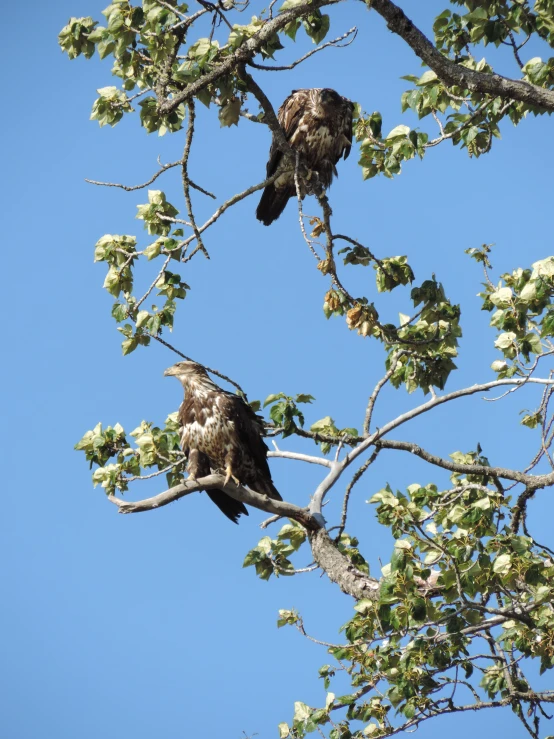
(318, 124)
(221, 433)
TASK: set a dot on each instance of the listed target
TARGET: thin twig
(185, 177)
(130, 188)
(335, 42)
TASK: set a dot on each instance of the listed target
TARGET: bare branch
(185, 177)
(217, 482)
(130, 188)
(377, 389)
(464, 469)
(336, 43)
(221, 210)
(190, 359)
(358, 474)
(301, 457)
(537, 481)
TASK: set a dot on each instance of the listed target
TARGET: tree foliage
(465, 603)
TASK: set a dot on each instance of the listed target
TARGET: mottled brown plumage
(221, 433)
(318, 124)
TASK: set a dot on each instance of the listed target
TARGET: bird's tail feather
(232, 508)
(265, 486)
(273, 203)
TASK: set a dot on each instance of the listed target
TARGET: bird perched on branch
(221, 433)
(318, 124)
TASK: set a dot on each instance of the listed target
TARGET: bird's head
(329, 97)
(186, 371)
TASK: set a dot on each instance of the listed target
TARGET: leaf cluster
(154, 447)
(272, 556)
(284, 410)
(121, 254)
(327, 427)
(453, 553)
(523, 315)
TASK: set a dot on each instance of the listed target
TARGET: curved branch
(449, 72)
(185, 177)
(454, 74)
(336, 565)
(220, 211)
(334, 42)
(217, 482)
(130, 188)
(536, 481)
(464, 469)
(339, 569)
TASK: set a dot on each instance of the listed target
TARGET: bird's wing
(289, 115)
(249, 430)
(184, 416)
(347, 126)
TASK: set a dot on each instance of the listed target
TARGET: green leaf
(502, 298)
(302, 712)
(316, 26)
(272, 398)
(229, 113)
(288, 4)
(502, 564)
(142, 317)
(398, 131)
(129, 345)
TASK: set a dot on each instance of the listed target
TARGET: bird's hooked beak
(170, 372)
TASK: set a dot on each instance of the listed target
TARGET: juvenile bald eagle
(318, 124)
(221, 433)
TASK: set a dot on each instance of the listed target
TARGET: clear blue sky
(143, 627)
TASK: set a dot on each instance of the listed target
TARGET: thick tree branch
(536, 481)
(339, 569)
(336, 565)
(454, 74)
(467, 469)
(243, 54)
(217, 482)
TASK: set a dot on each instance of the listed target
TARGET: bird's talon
(229, 476)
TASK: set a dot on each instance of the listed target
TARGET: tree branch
(454, 74)
(536, 481)
(217, 482)
(339, 569)
(465, 469)
(243, 54)
(335, 42)
(301, 457)
(336, 565)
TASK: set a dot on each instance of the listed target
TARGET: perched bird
(318, 124)
(221, 433)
